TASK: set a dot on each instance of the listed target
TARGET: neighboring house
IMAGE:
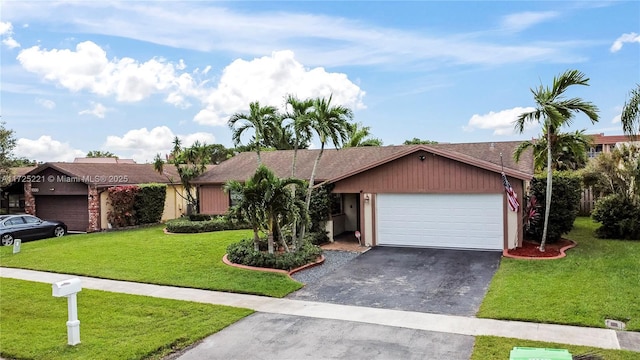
(13, 191)
(443, 195)
(75, 192)
(606, 143)
(103, 160)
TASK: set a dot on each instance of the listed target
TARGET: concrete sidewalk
(600, 338)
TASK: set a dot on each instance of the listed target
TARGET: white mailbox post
(69, 289)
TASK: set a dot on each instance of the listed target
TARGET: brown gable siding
(213, 200)
(52, 182)
(434, 174)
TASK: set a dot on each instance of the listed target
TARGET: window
(234, 198)
(31, 220)
(15, 221)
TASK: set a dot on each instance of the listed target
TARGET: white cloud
(6, 31)
(502, 122)
(268, 80)
(97, 110)
(523, 20)
(624, 38)
(46, 149)
(616, 119)
(143, 144)
(87, 68)
(318, 40)
(46, 103)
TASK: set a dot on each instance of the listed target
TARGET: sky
(128, 77)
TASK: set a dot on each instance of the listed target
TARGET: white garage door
(468, 221)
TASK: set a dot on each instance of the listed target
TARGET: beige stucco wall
(512, 228)
(368, 201)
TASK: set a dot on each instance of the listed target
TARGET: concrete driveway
(274, 336)
(437, 281)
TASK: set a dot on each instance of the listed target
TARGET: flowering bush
(122, 199)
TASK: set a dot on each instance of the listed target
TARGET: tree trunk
(310, 190)
(548, 195)
(294, 228)
(270, 237)
(256, 239)
(281, 238)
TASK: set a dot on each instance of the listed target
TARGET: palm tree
(190, 163)
(359, 135)
(263, 121)
(554, 111)
(300, 125)
(301, 128)
(250, 205)
(630, 117)
(569, 151)
(266, 203)
(330, 123)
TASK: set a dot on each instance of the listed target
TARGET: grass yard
(491, 347)
(598, 280)
(112, 326)
(149, 255)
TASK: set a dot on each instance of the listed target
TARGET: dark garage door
(73, 210)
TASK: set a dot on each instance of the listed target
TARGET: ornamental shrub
(243, 253)
(218, 223)
(122, 199)
(619, 216)
(149, 203)
(565, 204)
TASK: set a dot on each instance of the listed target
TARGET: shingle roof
(112, 174)
(337, 164)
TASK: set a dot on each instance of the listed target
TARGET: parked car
(28, 227)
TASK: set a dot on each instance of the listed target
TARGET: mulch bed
(531, 249)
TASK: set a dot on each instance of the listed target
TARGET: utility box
(528, 353)
(66, 287)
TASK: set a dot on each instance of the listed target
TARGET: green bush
(320, 207)
(199, 217)
(149, 203)
(565, 204)
(243, 253)
(619, 216)
(218, 223)
(317, 238)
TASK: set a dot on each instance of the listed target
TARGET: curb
(573, 244)
(319, 261)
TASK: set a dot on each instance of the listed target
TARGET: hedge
(149, 203)
(565, 204)
(219, 223)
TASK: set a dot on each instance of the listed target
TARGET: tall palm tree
(300, 126)
(630, 117)
(569, 151)
(330, 123)
(360, 135)
(553, 111)
(263, 121)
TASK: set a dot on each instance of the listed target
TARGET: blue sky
(127, 77)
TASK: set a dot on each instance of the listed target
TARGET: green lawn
(598, 280)
(112, 326)
(149, 255)
(491, 347)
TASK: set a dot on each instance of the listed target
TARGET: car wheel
(7, 240)
(58, 231)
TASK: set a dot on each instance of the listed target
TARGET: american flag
(512, 198)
